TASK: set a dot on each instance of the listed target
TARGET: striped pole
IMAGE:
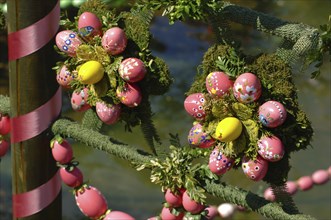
(35, 100)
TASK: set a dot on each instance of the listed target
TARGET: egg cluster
(93, 76)
(246, 89)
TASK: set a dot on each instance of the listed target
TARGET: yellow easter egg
(90, 72)
(228, 129)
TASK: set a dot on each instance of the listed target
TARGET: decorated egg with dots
(130, 94)
(219, 163)
(228, 129)
(114, 41)
(64, 77)
(68, 42)
(255, 169)
(108, 113)
(199, 138)
(272, 114)
(193, 104)
(79, 100)
(89, 25)
(132, 70)
(218, 83)
(247, 88)
(271, 148)
(91, 202)
(118, 215)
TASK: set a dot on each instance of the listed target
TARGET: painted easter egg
(72, 177)
(271, 148)
(255, 169)
(64, 77)
(291, 187)
(4, 146)
(108, 113)
(191, 205)
(199, 138)
(118, 215)
(4, 124)
(132, 70)
(218, 83)
(219, 163)
(212, 212)
(269, 194)
(226, 210)
(89, 25)
(173, 199)
(193, 104)
(247, 88)
(130, 95)
(68, 42)
(228, 129)
(305, 183)
(272, 114)
(166, 214)
(91, 202)
(62, 151)
(90, 72)
(114, 41)
(320, 177)
(79, 100)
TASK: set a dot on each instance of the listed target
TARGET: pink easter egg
(197, 137)
(193, 104)
(91, 202)
(132, 70)
(272, 114)
(4, 124)
(271, 148)
(64, 77)
(4, 147)
(329, 170)
(255, 169)
(166, 214)
(320, 177)
(89, 25)
(130, 95)
(305, 183)
(62, 151)
(114, 41)
(118, 215)
(218, 83)
(108, 113)
(219, 163)
(191, 205)
(71, 177)
(269, 194)
(291, 187)
(173, 199)
(79, 100)
(68, 42)
(247, 88)
(212, 212)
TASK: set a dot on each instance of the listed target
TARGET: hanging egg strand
(247, 90)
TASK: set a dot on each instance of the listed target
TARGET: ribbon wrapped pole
(35, 100)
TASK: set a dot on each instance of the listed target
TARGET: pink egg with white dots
(271, 148)
(219, 163)
(89, 25)
(114, 41)
(193, 104)
(255, 169)
(247, 88)
(64, 77)
(132, 70)
(79, 100)
(108, 113)
(218, 83)
(68, 42)
(272, 114)
(130, 95)
(118, 215)
(199, 138)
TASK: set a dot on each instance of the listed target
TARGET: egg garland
(255, 124)
(107, 60)
(89, 199)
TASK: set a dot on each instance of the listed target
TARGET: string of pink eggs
(88, 198)
(246, 89)
(114, 42)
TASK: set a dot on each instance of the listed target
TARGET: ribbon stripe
(30, 39)
(31, 202)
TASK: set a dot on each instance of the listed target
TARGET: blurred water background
(182, 46)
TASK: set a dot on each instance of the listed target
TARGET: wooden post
(32, 84)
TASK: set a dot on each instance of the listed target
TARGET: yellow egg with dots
(90, 72)
(228, 129)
